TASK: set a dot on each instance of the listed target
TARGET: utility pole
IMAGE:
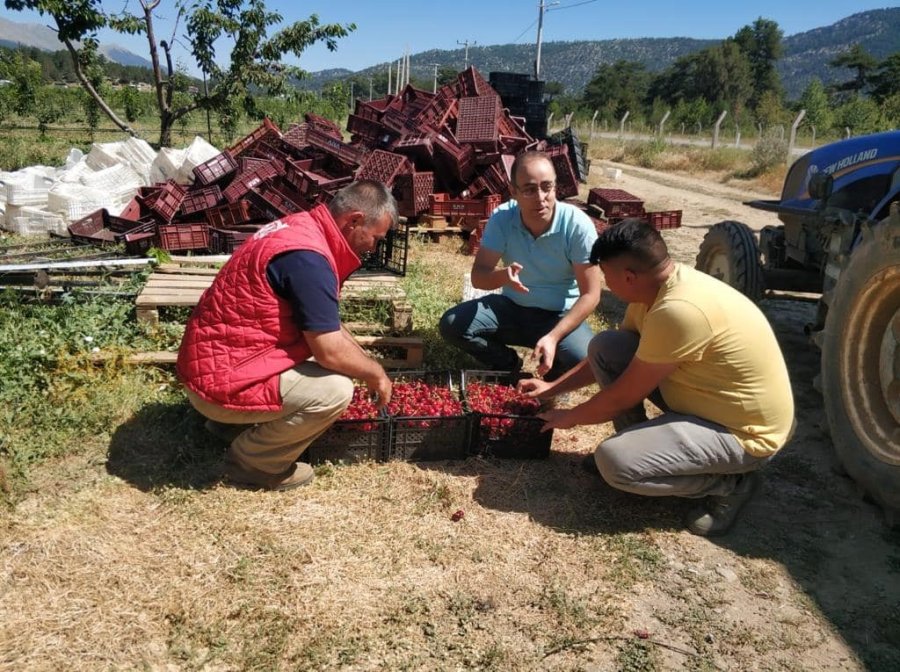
(370, 89)
(467, 44)
(351, 94)
(542, 7)
(434, 88)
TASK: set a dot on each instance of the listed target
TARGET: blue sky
(386, 29)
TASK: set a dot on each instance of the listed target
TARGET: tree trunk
(93, 93)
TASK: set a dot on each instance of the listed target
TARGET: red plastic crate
(139, 243)
(347, 154)
(481, 208)
(368, 111)
(471, 83)
(295, 137)
(271, 202)
(217, 168)
(566, 180)
(175, 237)
(266, 129)
(616, 202)
(413, 193)
(383, 167)
(477, 121)
(243, 183)
(325, 125)
(266, 150)
(461, 158)
(229, 215)
(226, 241)
(165, 200)
(416, 147)
(92, 229)
(201, 199)
(665, 219)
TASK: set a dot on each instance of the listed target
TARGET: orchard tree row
(739, 76)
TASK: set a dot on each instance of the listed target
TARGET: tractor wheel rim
(720, 267)
(871, 366)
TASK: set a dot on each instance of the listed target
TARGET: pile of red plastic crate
(444, 154)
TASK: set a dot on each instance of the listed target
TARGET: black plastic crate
(357, 440)
(503, 435)
(391, 253)
(429, 437)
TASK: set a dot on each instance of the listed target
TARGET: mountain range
(806, 54)
(13, 34)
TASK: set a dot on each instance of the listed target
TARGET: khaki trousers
(312, 397)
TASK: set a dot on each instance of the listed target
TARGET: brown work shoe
(718, 512)
(299, 473)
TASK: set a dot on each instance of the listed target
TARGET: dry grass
(131, 555)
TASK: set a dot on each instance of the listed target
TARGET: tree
(25, 76)
(723, 76)
(761, 42)
(860, 115)
(855, 58)
(769, 110)
(618, 87)
(886, 82)
(815, 101)
(256, 58)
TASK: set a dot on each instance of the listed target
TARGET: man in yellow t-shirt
(703, 353)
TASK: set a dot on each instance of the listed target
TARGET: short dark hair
(527, 157)
(633, 238)
(367, 196)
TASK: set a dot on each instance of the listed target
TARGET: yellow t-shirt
(731, 370)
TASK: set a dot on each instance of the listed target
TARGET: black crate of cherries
(504, 422)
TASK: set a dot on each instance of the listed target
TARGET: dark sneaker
(224, 431)
(718, 512)
(299, 474)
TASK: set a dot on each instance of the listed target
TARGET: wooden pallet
(176, 285)
(413, 350)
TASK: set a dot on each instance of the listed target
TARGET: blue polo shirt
(546, 260)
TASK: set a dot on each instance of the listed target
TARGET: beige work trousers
(312, 399)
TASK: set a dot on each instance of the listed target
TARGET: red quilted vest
(241, 335)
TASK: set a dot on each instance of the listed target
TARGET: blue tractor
(839, 237)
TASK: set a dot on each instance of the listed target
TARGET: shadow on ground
(165, 445)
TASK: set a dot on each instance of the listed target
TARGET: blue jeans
(486, 327)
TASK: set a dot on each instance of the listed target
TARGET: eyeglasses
(531, 190)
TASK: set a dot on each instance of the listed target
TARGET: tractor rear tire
(729, 252)
(861, 364)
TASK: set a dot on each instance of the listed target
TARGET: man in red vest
(244, 358)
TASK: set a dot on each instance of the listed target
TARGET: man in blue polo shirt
(549, 286)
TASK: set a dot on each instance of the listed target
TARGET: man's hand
(381, 388)
(512, 274)
(545, 353)
(532, 388)
(556, 419)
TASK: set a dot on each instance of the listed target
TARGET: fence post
(846, 131)
(662, 122)
(813, 136)
(737, 136)
(793, 137)
(622, 124)
(715, 138)
(549, 120)
(781, 131)
(594, 119)
(568, 119)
